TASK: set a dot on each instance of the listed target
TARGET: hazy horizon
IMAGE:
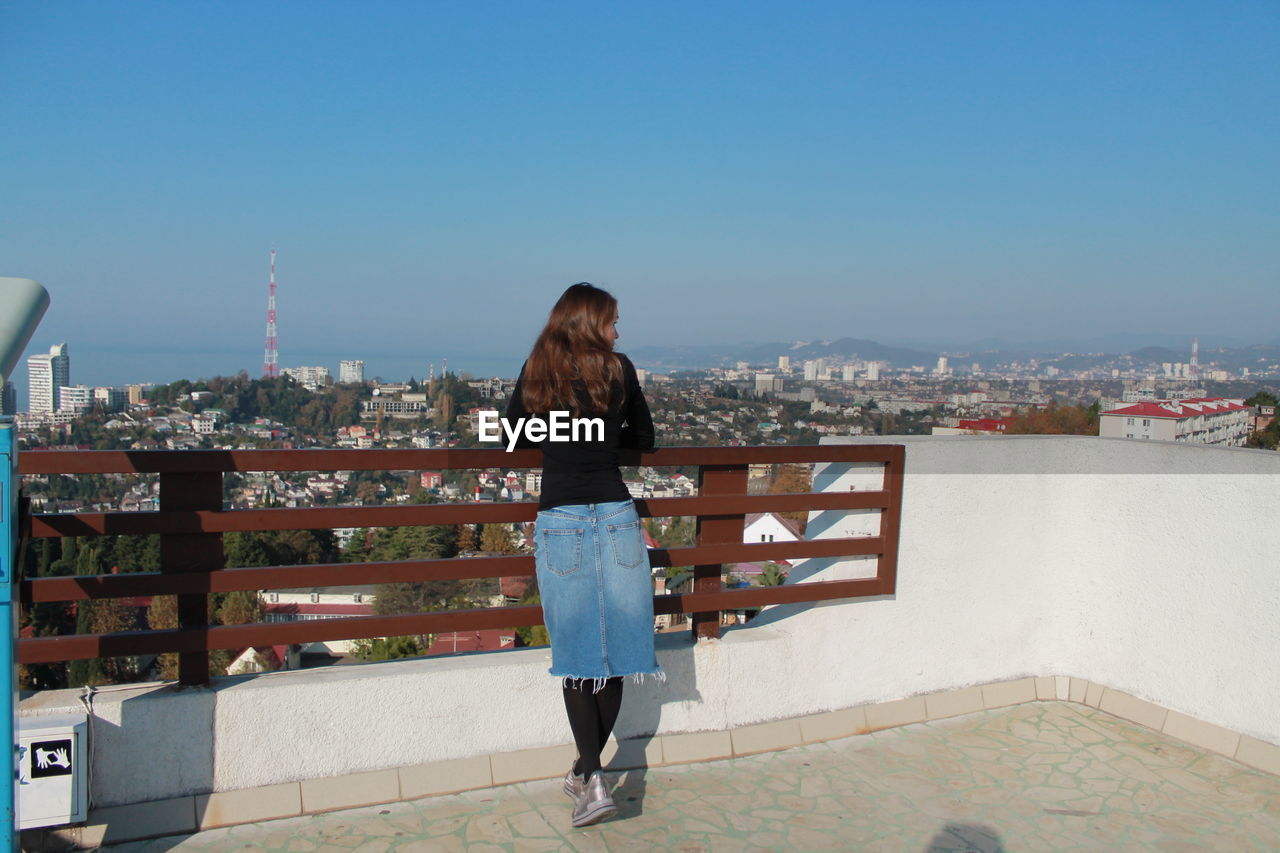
(122, 365)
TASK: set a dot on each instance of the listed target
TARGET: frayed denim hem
(597, 684)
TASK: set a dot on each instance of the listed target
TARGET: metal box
(53, 770)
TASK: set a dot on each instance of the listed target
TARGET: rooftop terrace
(1041, 776)
(1073, 582)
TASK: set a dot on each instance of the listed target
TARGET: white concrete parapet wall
(1144, 566)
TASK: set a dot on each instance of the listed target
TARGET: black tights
(591, 717)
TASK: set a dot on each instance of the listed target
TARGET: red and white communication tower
(271, 359)
(1195, 358)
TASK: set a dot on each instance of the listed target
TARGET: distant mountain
(987, 353)
(766, 354)
(1158, 355)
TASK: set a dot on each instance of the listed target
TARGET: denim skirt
(597, 592)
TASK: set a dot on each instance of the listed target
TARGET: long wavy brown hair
(573, 365)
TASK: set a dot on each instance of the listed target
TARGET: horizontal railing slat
(79, 646)
(84, 587)
(128, 644)
(35, 461)
(49, 525)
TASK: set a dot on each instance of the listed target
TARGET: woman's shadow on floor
(641, 715)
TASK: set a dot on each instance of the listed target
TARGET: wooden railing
(191, 521)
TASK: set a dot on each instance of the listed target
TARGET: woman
(593, 569)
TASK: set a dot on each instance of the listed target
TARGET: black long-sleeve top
(586, 472)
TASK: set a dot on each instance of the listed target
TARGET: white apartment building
(46, 373)
(351, 371)
(395, 408)
(311, 378)
(784, 362)
(873, 370)
(849, 372)
(1203, 420)
(77, 399)
(204, 424)
(1139, 395)
(301, 605)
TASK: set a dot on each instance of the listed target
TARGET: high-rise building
(9, 399)
(873, 371)
(46, 373)
(135, 394)
(784, 362)
(849, 373)
(810, 371)
(942, 369)
(351, 371)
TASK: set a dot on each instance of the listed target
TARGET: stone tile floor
(1040, 776)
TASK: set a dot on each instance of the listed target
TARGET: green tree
(1262, 398)
(162, 615)
(358, 550)
(246, 549)
(102, 616)
(466, 537)
(421, 543)
(386, 648)
(498, 539)
(772, 575)
(135, 553)
(1267, 438)
(1055, 419)
(532, 635)
(241, 607)
(791, 479)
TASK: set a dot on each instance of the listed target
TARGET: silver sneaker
(595, 804)
(574, 784)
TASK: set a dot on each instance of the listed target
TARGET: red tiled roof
(1179, 409)
(486, 640)
(984, 424)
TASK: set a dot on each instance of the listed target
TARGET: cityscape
(830, 395)
(956, 322)
(789, 400)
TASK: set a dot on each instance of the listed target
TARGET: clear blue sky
(434, 173)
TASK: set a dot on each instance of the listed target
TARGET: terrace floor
(1040, 776)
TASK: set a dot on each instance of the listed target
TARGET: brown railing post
(191, 552)
(716, 481)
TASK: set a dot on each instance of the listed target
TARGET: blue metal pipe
(9, 557)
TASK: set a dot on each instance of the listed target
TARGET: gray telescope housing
(22, 304)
